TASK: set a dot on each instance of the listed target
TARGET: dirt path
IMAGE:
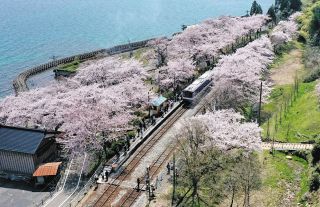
(284, 72)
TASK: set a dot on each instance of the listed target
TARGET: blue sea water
(32, 31)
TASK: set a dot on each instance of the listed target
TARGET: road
(71, 184)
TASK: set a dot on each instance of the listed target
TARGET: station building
(24, 152)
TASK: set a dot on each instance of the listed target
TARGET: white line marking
(58, 193)
(85, 156)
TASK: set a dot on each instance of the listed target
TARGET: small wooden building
(22, 150)
(159, 104)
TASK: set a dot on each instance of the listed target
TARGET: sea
(33, 32)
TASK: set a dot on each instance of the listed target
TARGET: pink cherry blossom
(285, 31)
(225, 129)
(237, 77)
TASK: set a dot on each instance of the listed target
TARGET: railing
(84, 190)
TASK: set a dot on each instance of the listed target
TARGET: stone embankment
(20, 85)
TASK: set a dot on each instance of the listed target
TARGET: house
(23, 150)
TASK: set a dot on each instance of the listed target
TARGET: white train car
(195, 90)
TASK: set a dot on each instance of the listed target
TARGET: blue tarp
(158, 101)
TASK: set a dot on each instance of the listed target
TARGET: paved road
(286, 146)
(71, 185)
(19, 194)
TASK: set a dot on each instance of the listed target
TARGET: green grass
(70, 67)
(278, 169)
(284, 53)
(280, 173)
(301, 122)
(138, 55)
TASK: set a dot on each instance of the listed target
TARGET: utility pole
(260, 100)
(149, 104)
(148, 184)
(174, 85)
(174, 179)
(159, 81)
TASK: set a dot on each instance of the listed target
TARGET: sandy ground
(285, 72)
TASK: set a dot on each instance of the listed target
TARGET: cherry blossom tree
(217, 152)
(237, 77)
(101, 97)
(225, 129)
(200, 44)
(160, 46)
(110, 71)
(285, 31)
(177, 71)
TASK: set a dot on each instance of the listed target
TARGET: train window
(203, 85)
(187, 94)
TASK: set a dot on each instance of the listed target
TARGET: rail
(114, 187)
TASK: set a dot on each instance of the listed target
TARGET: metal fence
(85, 189)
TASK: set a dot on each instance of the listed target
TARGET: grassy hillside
(301, 121)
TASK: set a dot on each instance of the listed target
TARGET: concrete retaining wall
(20, 85)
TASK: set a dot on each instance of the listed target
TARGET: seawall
(20, 85)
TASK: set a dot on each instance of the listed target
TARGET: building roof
(158, 101)
(47, 169)
(22, 140)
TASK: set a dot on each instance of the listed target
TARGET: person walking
(144, 124)
(157, 183)
(106, 176)
(168, 168)
(138, 184)
(138, 130)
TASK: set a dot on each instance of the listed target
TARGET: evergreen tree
(285, 9)
(259, 9)
(296, 5)
(284, 5)
(272, 13)
(315, 26)
(255, 8)
(277, 5)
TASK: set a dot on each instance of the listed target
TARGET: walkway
(71, 184)
(286, 146)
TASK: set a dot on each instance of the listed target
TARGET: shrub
(311, 57)
(118, 145)
(135, 122)
(131, 134)
(301, 153)
(314, 182)
(314, 75)
(168, 94)
(139, 113)
(315, 153)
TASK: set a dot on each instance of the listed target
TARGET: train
(195, 90)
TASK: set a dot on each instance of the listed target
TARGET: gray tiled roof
(20, 139)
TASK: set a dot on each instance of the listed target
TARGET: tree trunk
(232, 197)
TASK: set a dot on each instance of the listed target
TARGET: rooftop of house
(24, 140)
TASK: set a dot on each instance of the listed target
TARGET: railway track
(154, 169)
(114, 187)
